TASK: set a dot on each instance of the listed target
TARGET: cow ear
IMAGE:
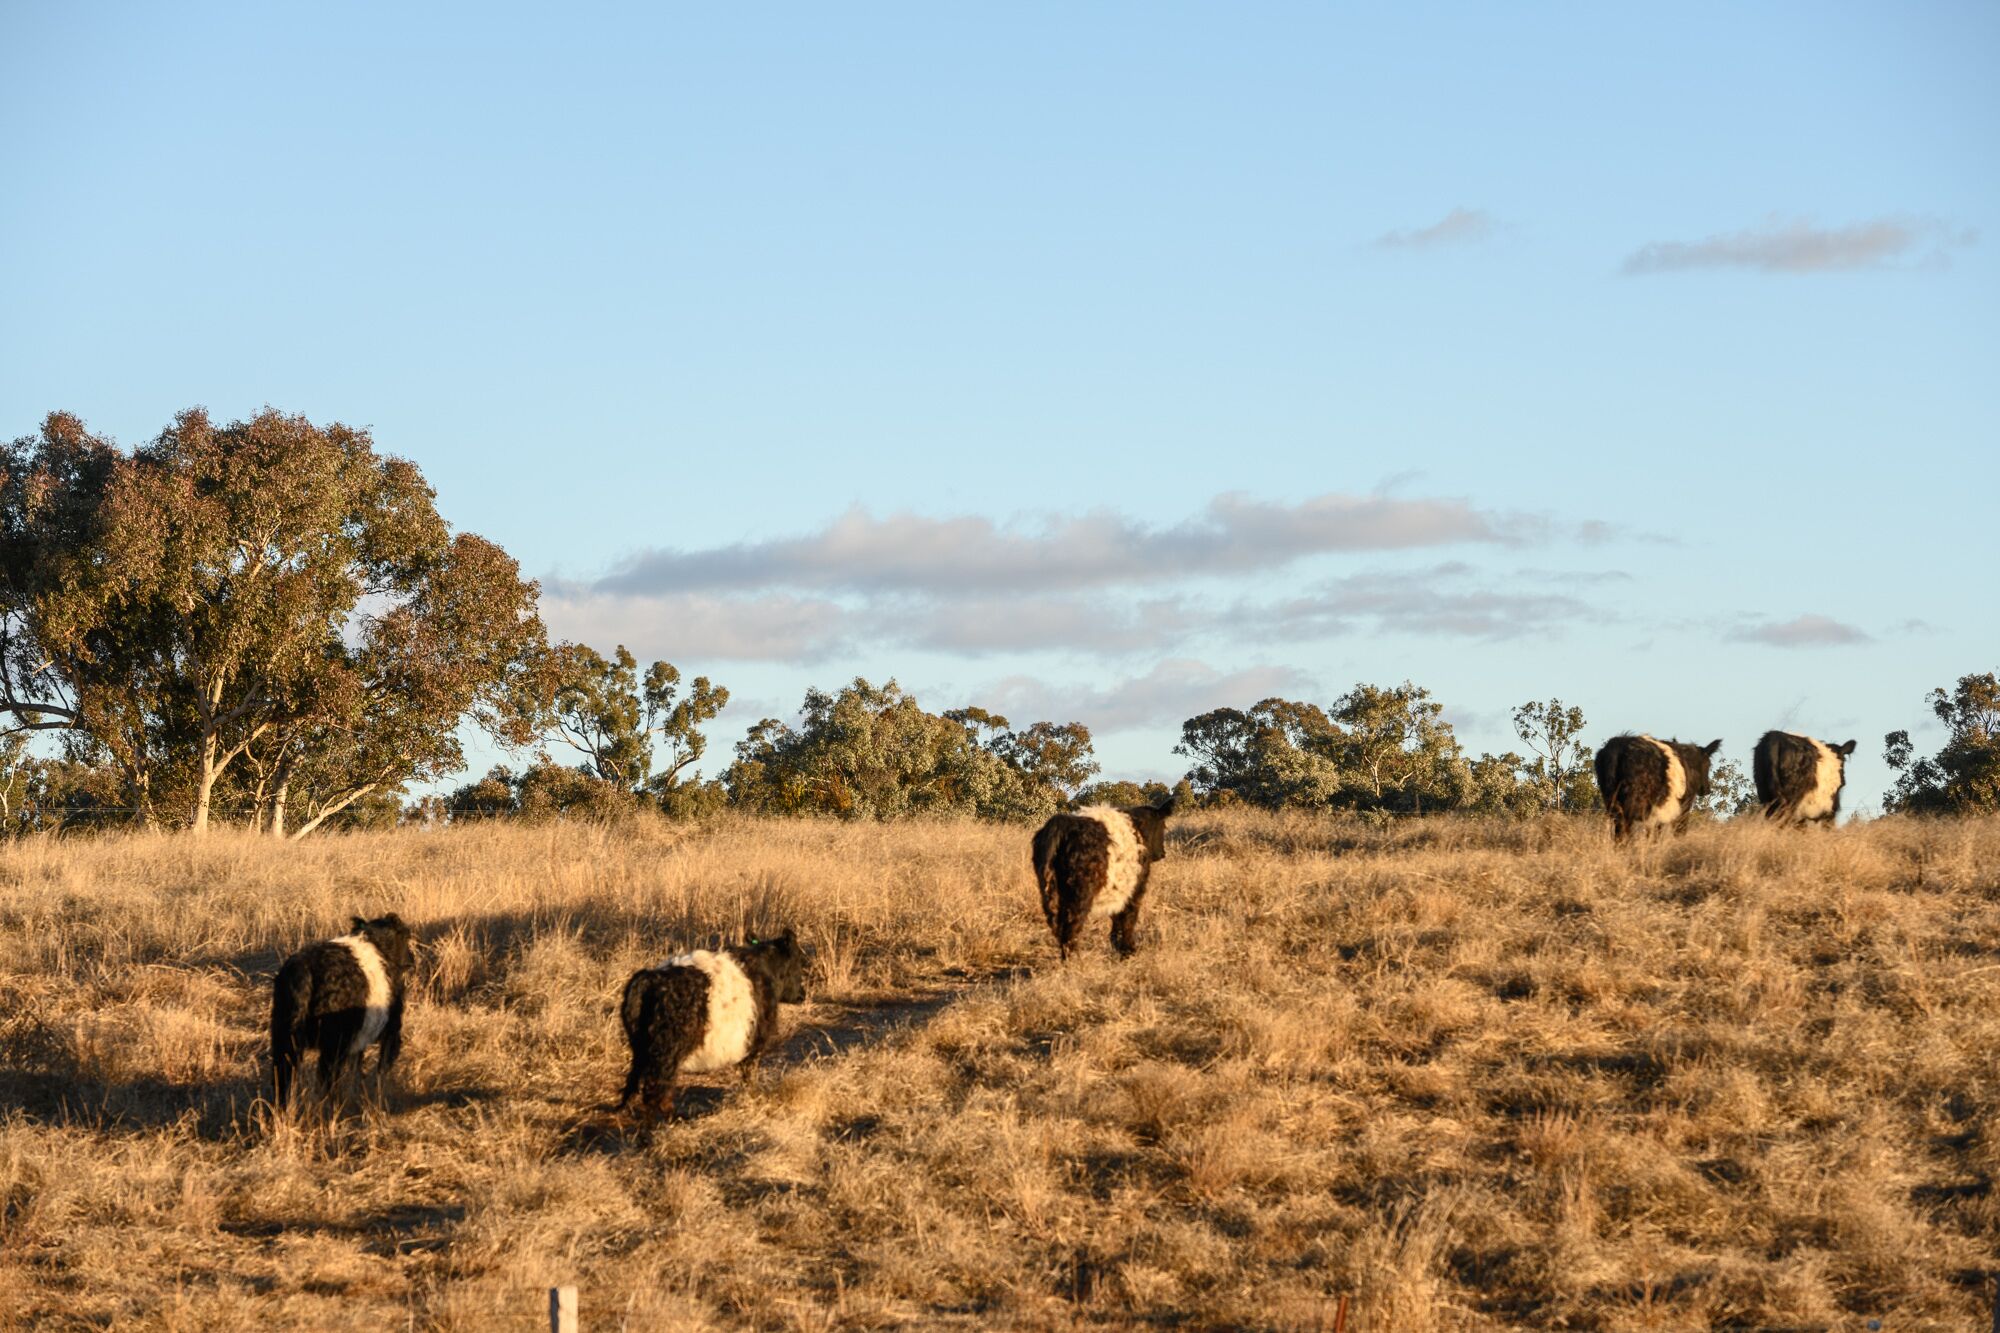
(1711, 747)
(1165, 805)
(789, 938)
(1844, 750)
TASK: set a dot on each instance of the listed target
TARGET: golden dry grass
(1467, 1076)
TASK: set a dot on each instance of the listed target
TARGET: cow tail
(1047, 845)
(1764, 774)
(291, 1000)
(634, 1002)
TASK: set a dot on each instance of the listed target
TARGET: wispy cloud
(1445, 600)
(1797, 246)
(1167, 695)
(1808, 631)
(1451, 600)
(1233, 535)
(1101, 624)
(696, 627)
(1457, 227)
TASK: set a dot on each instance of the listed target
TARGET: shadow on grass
(219, 1111)
(830, 1030)
(400, 1229)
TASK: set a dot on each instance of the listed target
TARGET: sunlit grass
(1462, 1075)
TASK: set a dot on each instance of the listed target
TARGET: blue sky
(1109, 362)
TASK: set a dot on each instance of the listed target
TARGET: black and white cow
(339, 997)
(1094, 864)
(1650, 783)
(1799, 778)
(706, 1010)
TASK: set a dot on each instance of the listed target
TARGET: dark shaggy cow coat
(1798, 778)
(706, 1010)
(340, 997)
(1095, 864)
(1650, 783)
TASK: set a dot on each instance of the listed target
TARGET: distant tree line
(268, 623)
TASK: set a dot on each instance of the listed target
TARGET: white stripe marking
(376, 1018)
(1127, 860)
(1677, 786)
(732, 1011)
(1818, 803)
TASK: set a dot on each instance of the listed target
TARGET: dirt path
(832, 1028)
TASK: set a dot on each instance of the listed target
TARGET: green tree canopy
(1964, 775)
(1375, 749)
(621, 723)
(872, 751)
(1277, 754)
(1560, 773)
(266, 588)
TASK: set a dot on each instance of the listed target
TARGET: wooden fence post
(562, 1310)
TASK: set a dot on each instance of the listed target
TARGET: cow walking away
(1649, 783)
(1799, 778)
(706, 1010)
(1094, 864)
(339, 997)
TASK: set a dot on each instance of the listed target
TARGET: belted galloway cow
(1649, 783)
(1798, 778)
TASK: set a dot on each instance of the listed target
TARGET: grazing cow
(1799, 778)
(1094, 864)
(706, 1010)
(340, 997)
(1648, 783)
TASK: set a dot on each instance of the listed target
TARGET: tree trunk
(333, 810)
(280, 791)
(206, 788)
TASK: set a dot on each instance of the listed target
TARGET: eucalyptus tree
(871, 751)
(623, 723)
(265, 588)
(1278, 753)
(1963, 777)
(386, 704)
(1560, 770)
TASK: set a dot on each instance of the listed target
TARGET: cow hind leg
(283, 1066)
(659, 1100)
(635, 1080)
(336, 1062)
(286, 1055)
(1125, 926)
(1069, 925)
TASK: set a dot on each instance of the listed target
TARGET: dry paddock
(1459, 1075)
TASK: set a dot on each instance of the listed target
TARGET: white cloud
(1797, 246)
(1167, 695)
(694, 627)
(1440, 601)
(1451, 599)
(1808, 631)
(861, 553)
(1457, 227)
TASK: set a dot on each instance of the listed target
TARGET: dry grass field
(1465, 1075)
